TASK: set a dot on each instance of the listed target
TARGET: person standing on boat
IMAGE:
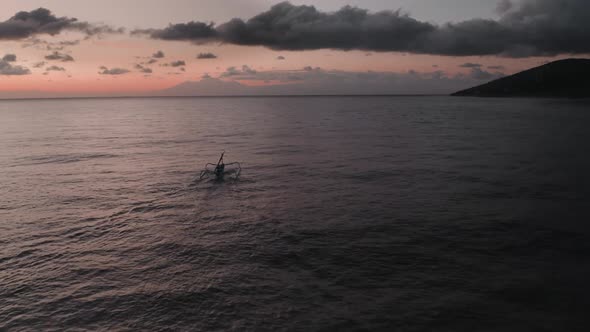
(219, 169)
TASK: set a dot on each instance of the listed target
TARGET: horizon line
(230, 96)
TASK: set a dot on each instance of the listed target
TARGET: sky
(142, 47)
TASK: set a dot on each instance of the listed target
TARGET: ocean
(350, 214)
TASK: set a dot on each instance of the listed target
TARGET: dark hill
(568, 78)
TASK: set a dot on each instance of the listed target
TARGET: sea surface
(350, 214)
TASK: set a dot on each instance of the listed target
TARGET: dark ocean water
(375, 214)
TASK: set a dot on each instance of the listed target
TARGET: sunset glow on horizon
(99, 58)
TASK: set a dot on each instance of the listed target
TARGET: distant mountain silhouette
(206, 87)
(568, 78)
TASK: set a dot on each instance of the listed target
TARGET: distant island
(568, 78)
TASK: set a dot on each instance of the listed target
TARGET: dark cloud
(531, 27)
(496, 67)
(470, 65)
(280, 57)
(39, 64)
(55, 68)
(289, 27)
(59, 57)
(42, 21)
(158, 55)
(8, 69)
(113, 71)
(25, 24)
(178, 63)
(151, 61)
(207, 55)
(193, 31)
(9, 58)
(143, 69)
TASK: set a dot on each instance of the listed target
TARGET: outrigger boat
(219, 169)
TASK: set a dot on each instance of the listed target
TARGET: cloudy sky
(90, 47)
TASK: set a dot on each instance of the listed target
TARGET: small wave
(372, 175)
(158, 208)
(62, 158)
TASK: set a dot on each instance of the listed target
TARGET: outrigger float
(219, 170)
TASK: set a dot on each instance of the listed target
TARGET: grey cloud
(41, 44)
(41, 21)
(113, 71)
(178, 63)
(310, 68)
(280, 57)
(531, 27)
(310, 74)
(330, 82)
(470, 65)
(504, 6)
(39, 64)
(69, 42)
(480, 74)
(34, 41)
(96, 29)
(496, 67)
(207, 55)
(55, 68)
(8, 69)
(143, 69)
(9, 58)
(233, 71)
(59, 56)
(158, 55)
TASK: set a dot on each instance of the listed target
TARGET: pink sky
(125, 51)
